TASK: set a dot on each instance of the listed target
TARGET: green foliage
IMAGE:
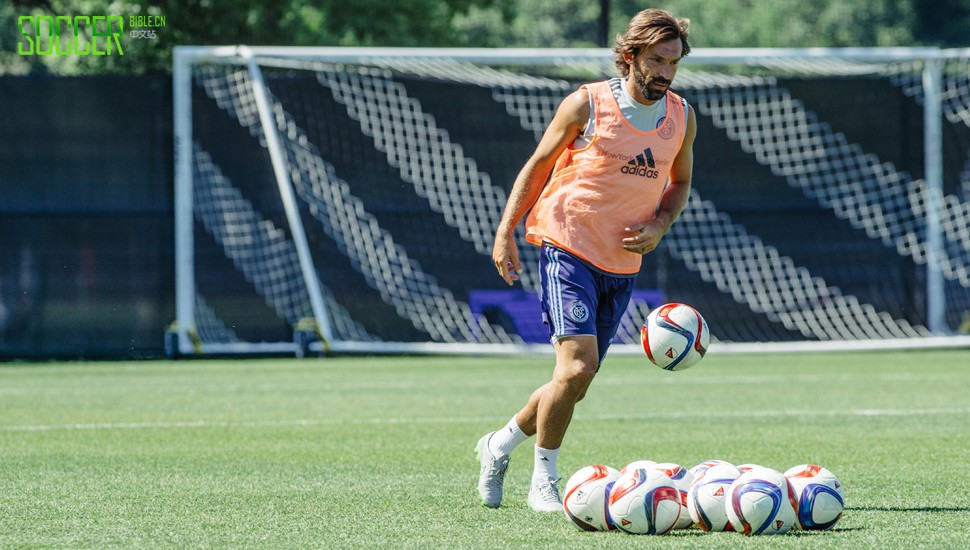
(378, 452)
(534, 24)
(253, 22)
(943, 22)
(791, 23)
(482, 23)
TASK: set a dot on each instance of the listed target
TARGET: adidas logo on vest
(642, 165)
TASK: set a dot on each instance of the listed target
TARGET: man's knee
(577, 377)
(576, 364)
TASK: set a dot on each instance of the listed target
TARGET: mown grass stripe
(470, 419)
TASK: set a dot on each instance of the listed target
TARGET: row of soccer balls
(650, 498)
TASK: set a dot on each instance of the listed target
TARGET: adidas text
(641, 171)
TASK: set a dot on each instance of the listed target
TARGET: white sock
(504, 441)
(545, 465)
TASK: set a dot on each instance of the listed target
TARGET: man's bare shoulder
(574, 108)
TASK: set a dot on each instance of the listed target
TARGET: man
(620, 155)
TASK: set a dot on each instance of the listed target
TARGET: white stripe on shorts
(554, 291)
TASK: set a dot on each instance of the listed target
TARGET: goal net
(346, 200)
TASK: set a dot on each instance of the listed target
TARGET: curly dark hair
(646, 29)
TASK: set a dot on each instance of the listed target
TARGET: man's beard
(644, 84)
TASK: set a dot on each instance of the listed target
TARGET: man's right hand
(505, 256)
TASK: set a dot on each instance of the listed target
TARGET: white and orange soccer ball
(675, 337)
(645, 464)
(587, 495)
(761, 501)
(682, 479)
(819, 495)
(644, 502)
(707, 496)
(698, 469)
(749, 466)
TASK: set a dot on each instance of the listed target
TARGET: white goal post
(344, 199)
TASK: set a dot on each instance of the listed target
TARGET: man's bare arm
(568, 123)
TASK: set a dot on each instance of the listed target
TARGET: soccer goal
(345, 199)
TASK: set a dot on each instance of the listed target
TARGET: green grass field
(379, 452)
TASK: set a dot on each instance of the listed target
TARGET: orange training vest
(615, 182)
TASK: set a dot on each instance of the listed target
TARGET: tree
(254, 22)
(943, 22)
(790, 23)
(483, 23)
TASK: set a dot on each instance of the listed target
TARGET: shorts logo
(578, 312)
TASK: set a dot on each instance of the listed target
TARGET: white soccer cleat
(492, 475)
(544, 496)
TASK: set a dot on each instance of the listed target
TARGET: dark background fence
(86, 215)
(86, 238)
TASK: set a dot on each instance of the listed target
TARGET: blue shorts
(578, 299)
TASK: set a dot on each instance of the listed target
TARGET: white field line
(478, 419)
(603, 379)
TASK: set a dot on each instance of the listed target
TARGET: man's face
(653, 69)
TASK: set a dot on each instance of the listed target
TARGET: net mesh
(807, 220)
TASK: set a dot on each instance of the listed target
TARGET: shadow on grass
(792, 533)
(910, 509)
(824, 532)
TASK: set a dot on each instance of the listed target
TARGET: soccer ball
(819, 495)
(587, 494)
(707, 496)
(698, 470)
(682, 479)
(645, 464)
(761, 502)
(644, 502)
(675, 337)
